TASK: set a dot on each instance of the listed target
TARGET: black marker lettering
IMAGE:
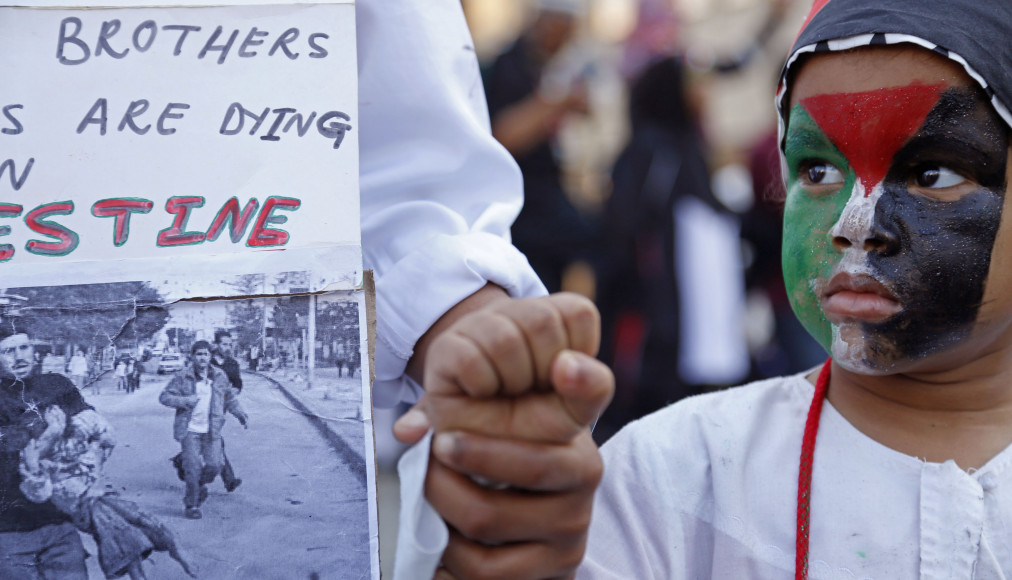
(334, 130)
(109, 29)
(18, 127)
(16, 181)
(252, 39)
(271, 136)
(318, 51)
(300, 127)
(183, 31)
(135, 109)
(223, 48)
(259, 120)
(71, 38)
(152, 29)
(243, 113)
(169, 114)
(282, 42)
(101, 109)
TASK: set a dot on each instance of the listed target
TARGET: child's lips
(858, 298)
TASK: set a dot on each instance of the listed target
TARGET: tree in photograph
(337, 328)
(246, 315)
(123, 314)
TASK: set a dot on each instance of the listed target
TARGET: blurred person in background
(531, 88)
(671, 275)
(671, 285)
(788, 348)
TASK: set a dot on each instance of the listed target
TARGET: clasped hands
(511, 391)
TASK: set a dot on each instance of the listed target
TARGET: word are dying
(231, 217)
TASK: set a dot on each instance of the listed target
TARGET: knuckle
(447, 351)
(478, 523)
(572, 529)
(573, 302)
(595, 470)
(542, 318)
(569, 560)
(471, 365)
(591, 463)
(583, 314)
(540, 475)
(502, 340)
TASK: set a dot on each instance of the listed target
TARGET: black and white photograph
(207, 439)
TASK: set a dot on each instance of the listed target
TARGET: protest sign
(187, 172)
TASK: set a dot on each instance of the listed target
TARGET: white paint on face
(855, 223)
(851, 235)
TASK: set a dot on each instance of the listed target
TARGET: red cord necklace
(805, 473)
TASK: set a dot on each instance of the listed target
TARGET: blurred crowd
(645, 191)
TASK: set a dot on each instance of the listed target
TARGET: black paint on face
(937, 251)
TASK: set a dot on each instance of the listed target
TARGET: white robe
(439, 194)
(707, 488)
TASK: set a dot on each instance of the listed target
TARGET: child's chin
(857, 354)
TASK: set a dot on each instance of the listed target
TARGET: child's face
(896, 184)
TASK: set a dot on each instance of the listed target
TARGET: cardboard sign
(180, 249)
(178, 142)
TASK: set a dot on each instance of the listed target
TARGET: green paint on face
(809, 215)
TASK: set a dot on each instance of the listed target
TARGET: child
(896, 147)
(64, 465)
(896, 257)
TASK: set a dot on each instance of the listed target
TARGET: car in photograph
(171, 363)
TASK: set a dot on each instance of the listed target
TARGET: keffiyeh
(973, 33)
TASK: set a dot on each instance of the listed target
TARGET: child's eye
(938, 178)
(821, 173)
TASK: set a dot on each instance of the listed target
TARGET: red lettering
(175, 234)
(263, 236)
(120, 210)
(37, 222)
(8, 210)
(238, 221)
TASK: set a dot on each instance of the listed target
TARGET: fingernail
(414, 420)
(443, 445)
(569, 366)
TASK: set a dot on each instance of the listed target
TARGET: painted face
(896, 182)
(17, 356)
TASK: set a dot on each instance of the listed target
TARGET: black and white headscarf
(976, 34)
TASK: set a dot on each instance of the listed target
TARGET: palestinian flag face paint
(895, 195)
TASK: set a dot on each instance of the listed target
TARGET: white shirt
(707, 488)
(200, 418)
(439, 194)
(78, 365)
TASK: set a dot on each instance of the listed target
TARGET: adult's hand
(511, 391)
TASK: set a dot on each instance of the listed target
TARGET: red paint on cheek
(870, 127)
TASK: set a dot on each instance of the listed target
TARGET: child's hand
(511, 391)
(477, 369)
(30, 458)
(56, 424)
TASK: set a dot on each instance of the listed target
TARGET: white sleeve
(439, 194)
